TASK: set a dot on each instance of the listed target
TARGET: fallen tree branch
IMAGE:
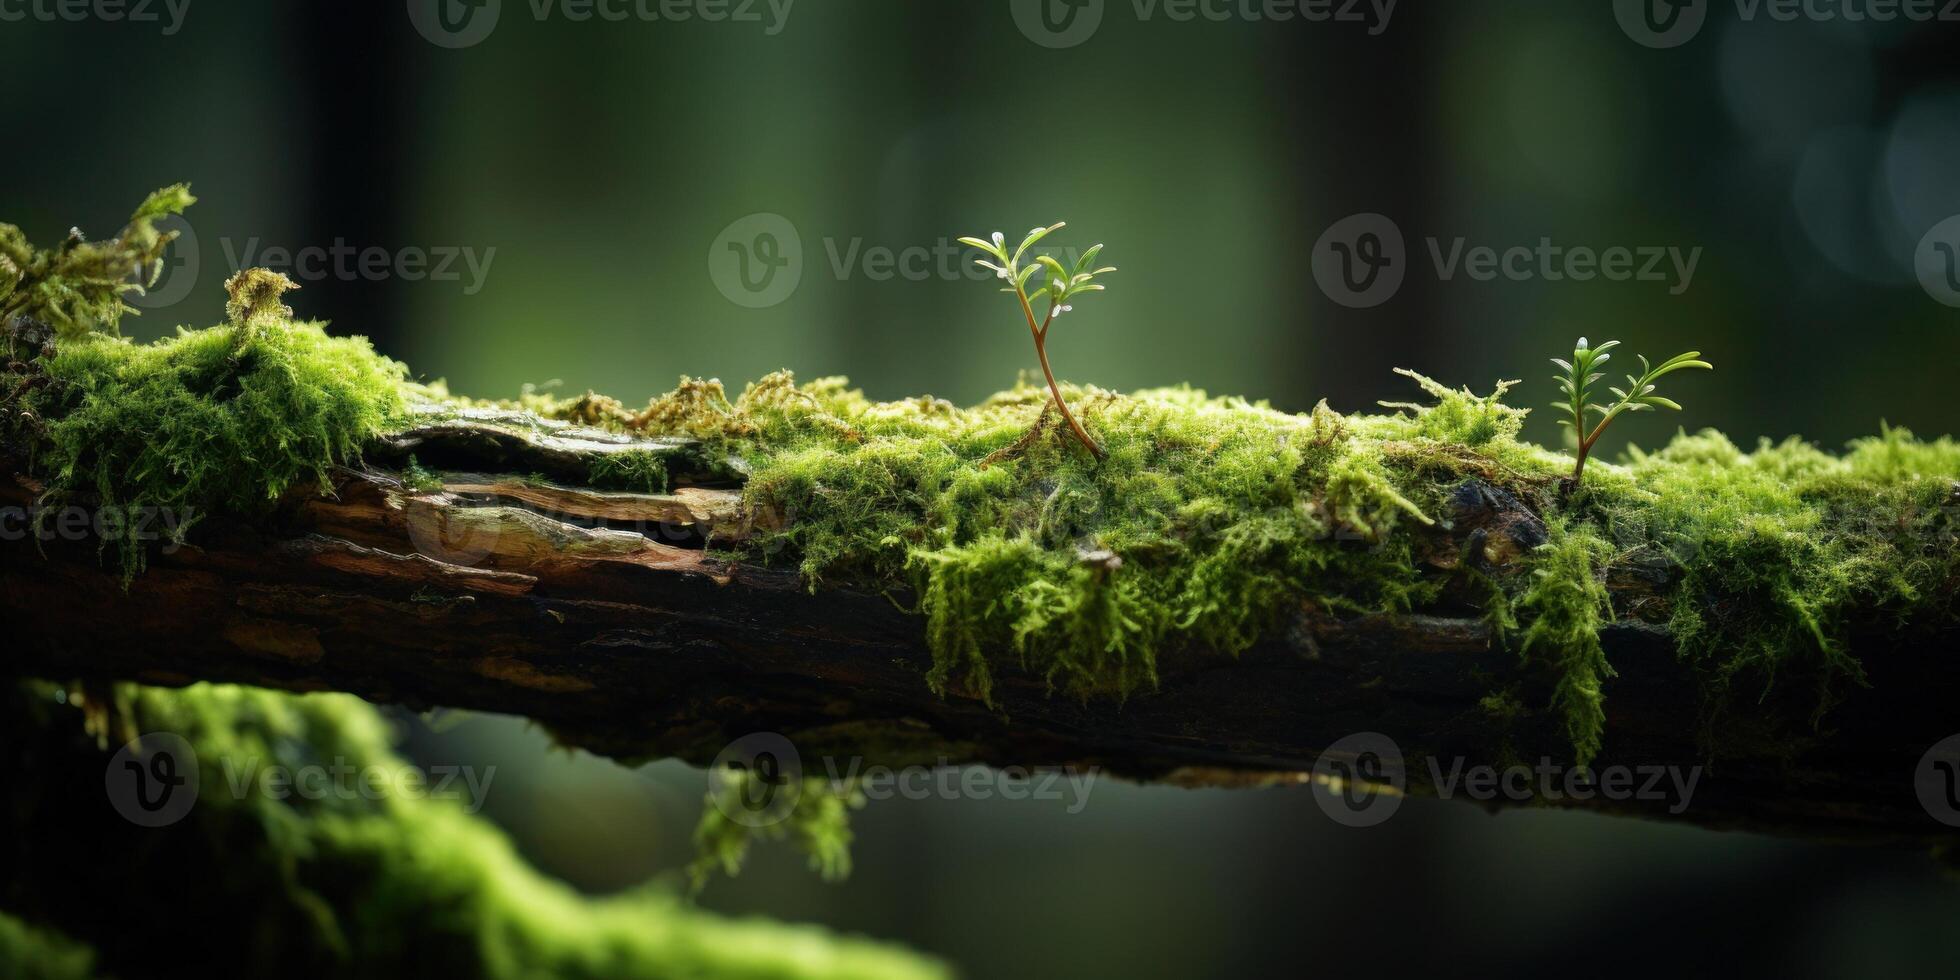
(514, 586)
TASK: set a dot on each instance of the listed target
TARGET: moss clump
(1207, 518)
(77, 287)
(1785, 550)
(208, 421)
(418, 478)
(635, 470)
(1212, 517)
(339, 885)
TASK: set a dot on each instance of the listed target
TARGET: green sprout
(1063, 285)
(1577, 383)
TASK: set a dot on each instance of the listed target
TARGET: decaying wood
(514, 588)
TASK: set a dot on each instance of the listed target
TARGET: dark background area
(601, 161)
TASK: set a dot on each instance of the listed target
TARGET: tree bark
(602, 616)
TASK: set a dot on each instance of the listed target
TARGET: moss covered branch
(810, 571)
(1222, 595)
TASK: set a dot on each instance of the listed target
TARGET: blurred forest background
(608, 163)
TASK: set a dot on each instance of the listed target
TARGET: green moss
(340, 885)
(32, 953)
(77, 287)
(1209, 521)
(417, 478)
(1212, 517)
(635, 470)
(1784, 551)
(819, 823)
(1563, 607)
(1205, 520)
(218, 421)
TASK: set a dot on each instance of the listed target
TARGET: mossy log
(469, 563)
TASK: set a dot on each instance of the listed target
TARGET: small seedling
(1577, 383)
(1063, 285)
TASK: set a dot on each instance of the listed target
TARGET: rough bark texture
(601, 615)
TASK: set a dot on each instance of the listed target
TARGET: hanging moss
(1563, 607)
(819, 823)
(388, 885)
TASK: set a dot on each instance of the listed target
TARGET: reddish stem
(1585, 447)
(1041, 352)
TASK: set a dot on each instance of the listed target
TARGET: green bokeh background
(602, 160)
